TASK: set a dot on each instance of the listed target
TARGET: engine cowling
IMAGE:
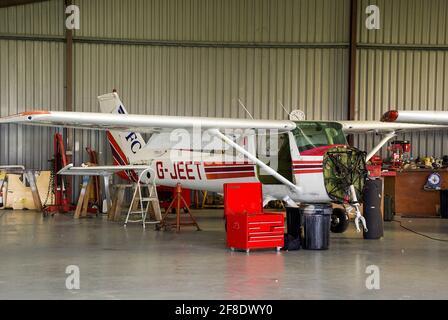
(343, 167)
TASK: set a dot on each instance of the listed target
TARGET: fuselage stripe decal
(306, 166)
(308, 162)
(227, 169)
(231, 175)
(308, 171)
(227, 164)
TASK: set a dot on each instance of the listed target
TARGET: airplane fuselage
(207, 173)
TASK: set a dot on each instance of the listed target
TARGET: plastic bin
(316, 226)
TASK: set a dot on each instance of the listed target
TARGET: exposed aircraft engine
(344, 167)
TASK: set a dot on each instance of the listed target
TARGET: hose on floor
(418, 233)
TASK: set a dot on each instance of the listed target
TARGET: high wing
(379, 127)
(139, 123)
(418, 117)
(154, 123)
(387, 130)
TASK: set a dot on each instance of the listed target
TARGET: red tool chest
(255, 231)
(248, 227)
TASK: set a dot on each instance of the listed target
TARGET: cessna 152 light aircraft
(314, 163)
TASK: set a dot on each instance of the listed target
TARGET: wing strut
(250, 156)
(383, 141)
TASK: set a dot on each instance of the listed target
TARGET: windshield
(310, 135)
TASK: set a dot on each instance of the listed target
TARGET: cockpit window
(310, 135)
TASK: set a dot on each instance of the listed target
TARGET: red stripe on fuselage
(307, 162)
(230, 175)
(225, 164)
(307, 166)
(227, 169)
(308, 171)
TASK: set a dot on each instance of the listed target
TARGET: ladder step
(135, 212)
(150, 199)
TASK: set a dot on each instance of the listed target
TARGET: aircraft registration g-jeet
(311, 163)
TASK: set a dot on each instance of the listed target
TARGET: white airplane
(312, 164)
(419, 117)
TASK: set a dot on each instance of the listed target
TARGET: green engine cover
(343, 167)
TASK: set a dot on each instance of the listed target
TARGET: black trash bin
(293, 221)
(372, 209)
(316, 226)
(293, 224)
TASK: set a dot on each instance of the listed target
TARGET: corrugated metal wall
(245, 21)
(38, 19)
(197, 57)
(404, 65)
(31, 78)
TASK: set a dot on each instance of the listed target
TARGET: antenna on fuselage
(245, 109)
(287, 112)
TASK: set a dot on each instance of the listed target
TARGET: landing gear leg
(359, 216)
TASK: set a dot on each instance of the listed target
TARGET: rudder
(125, 145)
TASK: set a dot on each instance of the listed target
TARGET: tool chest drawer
(252, 231)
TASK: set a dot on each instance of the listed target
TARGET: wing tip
(25, 114)
(390, 116)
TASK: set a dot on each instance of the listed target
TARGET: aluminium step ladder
(142, 204)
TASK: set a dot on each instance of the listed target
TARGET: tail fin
(125, 145)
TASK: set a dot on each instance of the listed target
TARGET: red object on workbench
(248, 227)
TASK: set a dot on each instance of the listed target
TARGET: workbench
(409, 198)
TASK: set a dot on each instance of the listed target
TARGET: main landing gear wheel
(339, 221)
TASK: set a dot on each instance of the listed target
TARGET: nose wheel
(339, 221)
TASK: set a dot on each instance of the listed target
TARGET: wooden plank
(85, 204)
(82, 196)
(36, 198)
(119, 204)
(19, 196)
(154, 203)
(111, 209)
(118, 194)
(2, 193)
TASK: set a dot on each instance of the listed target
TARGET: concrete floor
(119, 263)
